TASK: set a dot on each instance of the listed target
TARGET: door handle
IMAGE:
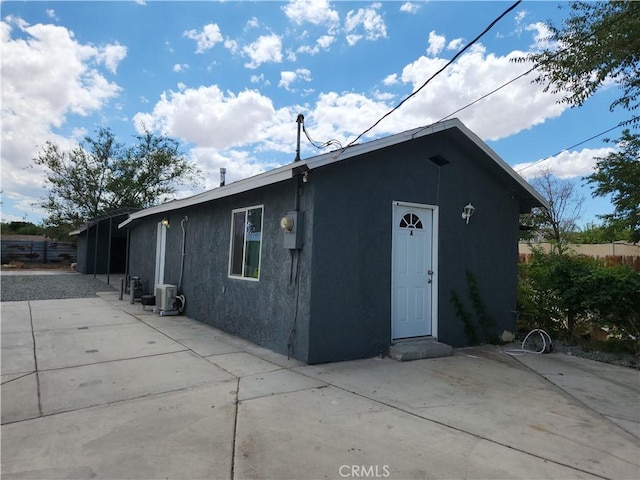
(429, 281)
(430, 272)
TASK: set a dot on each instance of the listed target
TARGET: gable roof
(454, 127)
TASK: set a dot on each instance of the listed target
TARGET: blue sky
(227, 79)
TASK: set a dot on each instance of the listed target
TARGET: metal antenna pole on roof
(299, 120)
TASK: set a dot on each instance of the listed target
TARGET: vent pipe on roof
(223, 171)
(299, 121)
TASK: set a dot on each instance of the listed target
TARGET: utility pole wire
(621, 124)
(453, 59)
(535, 67)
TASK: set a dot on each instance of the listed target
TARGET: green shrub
(561, 293)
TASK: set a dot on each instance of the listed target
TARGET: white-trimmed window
(246, 242)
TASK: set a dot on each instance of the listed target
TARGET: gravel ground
(16, 287)
(621, 359)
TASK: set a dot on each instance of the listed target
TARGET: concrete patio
(99, 388)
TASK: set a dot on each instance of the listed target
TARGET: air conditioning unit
(166, 296)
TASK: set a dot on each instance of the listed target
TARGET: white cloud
(51, 13)
(179, 67)
(455, 44)
(474, 74)
(208, 117)
(564, 165)
(232, 46)
(47, 75)
(353, 39)
(391, 79)
(344, 115)
(228, 121)
(238, 163)
(541, 37)
(367, 19)
(112, 55)
(252, 23)
(266, 49)
(316, 12)
(205, 39)
(322, 43)
(409, 7)
(288, 77)
(325, 41)
(436, 43)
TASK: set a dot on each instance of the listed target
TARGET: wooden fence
(38, 251)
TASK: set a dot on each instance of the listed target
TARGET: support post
(109, 252)
(95, 250)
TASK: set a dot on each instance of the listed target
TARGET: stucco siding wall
(486, 247)
(351, 305)
(262, 311)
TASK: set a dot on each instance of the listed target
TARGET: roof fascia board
(257, 181)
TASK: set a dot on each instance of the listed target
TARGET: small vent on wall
(439, 160)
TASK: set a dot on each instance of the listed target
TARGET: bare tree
(565, 208)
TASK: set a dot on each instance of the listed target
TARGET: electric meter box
(293, 237)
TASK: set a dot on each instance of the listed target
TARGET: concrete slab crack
(35, 360)
(235, 431)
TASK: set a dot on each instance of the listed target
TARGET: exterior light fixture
(467, 212)
(165, 222)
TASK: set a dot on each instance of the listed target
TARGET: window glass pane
(253, 242)
(237, 242)
(410, 220)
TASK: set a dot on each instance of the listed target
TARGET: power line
(320, 146)
(491, 92)
(621, 124)
(536, 66)
(453, 59)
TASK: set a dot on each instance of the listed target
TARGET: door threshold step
(412, 349)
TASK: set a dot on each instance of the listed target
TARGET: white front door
(412, 271)
(161, 246)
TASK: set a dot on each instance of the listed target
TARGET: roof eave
(257, 181)
(288, 171)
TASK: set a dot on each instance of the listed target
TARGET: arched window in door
(411, 220)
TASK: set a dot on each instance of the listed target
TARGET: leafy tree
(618, 175)
(565, 206)
(101, 175)
(21, 228)
(593, 233)
(599, 44)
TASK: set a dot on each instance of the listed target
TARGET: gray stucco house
(339, 255)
